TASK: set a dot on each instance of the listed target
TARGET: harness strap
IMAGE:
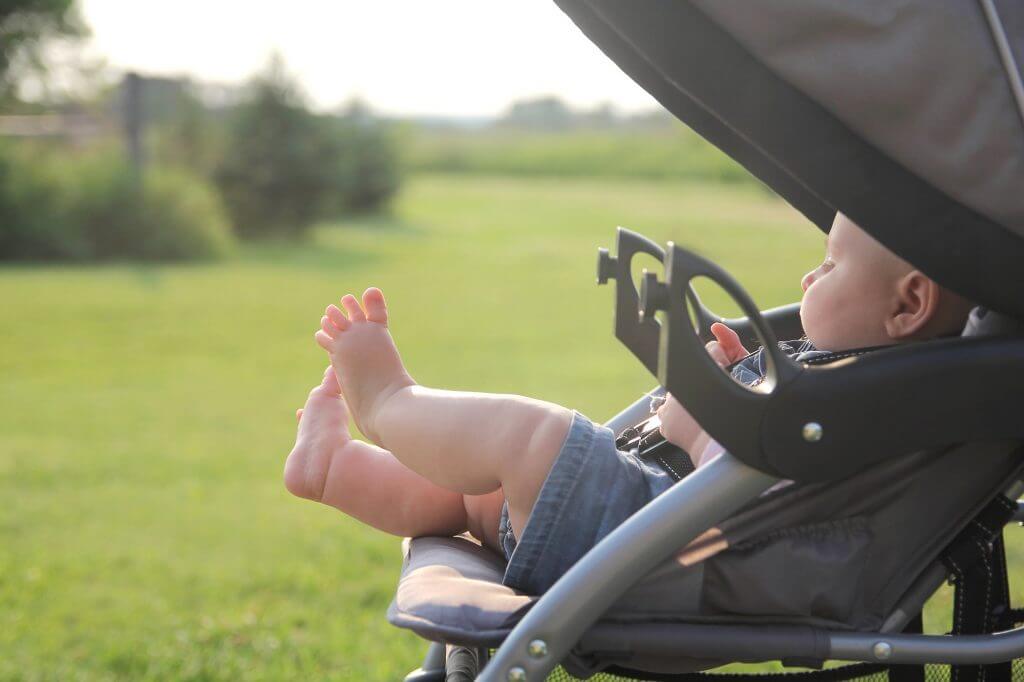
(646, 442)
(976, 560)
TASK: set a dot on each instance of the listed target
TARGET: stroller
(906, 462)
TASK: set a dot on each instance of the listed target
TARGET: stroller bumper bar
(922, 396)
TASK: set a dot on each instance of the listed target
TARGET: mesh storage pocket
(804, 571)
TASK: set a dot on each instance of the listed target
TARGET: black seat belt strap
(977, 563)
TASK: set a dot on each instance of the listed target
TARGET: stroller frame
(570, 609)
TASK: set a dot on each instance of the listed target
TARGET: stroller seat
(859, 566)
(781, 574)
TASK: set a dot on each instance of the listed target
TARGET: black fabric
(462, 664)
(798, 148)
(977, 562)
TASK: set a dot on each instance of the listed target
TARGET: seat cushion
(451, 591)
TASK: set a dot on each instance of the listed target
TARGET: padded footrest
(451, 591)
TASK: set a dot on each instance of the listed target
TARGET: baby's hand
(726, 349)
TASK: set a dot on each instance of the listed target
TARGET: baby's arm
(677, 424)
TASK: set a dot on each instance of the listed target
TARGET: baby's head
(865, 295)
(861, 295)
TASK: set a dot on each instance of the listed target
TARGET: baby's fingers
(717, 353)
(730, 342)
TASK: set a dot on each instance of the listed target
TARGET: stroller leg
(432, 669)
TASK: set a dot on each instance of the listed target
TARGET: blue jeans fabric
(591, 489)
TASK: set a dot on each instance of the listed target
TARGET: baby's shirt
(752, 369)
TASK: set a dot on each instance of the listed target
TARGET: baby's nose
(807, 280)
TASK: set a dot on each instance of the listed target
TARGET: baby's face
(849, 296)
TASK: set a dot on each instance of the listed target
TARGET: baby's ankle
(387, 410)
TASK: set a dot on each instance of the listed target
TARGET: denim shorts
(591, 489)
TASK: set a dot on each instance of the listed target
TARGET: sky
(403, 57)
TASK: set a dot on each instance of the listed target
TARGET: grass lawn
(147, 411)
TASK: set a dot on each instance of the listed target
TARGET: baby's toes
(376, 308)
(351, 305)
(324, 340)
(337, 317)
(328, 327)
(331, 381)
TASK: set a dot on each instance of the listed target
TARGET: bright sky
(452, 57)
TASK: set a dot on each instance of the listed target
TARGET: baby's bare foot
(323, 431)
(363, 355)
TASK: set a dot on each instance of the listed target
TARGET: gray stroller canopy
(908, 117)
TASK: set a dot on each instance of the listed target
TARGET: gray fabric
(837, 555)
(451, 590)
(921, 80)
(982, 322)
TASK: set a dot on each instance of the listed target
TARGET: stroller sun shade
(907, 117)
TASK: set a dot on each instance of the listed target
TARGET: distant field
(674, 152)
(147, 412)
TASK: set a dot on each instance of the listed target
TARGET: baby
(537, 481)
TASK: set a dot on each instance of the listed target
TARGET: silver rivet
(516, 674)
(882, 651)
(538, 648)
(812, 432)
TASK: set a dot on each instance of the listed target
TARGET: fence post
(133, 120)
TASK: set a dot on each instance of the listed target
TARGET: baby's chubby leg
(472, 443)
(329, 466)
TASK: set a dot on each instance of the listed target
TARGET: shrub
(166, 215)
(285, 168)
(35, 212)
(93, 208)
(182, 218)
(365, 173)
(273, 176)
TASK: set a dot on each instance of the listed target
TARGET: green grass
(673, 151)
(147, 411)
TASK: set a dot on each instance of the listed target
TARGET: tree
(540, 113)
(272, 175)
(285, 167)
(25, 25)
(366, 171)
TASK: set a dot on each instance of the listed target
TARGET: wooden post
(133, 121)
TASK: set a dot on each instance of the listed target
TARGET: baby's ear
(917, 299)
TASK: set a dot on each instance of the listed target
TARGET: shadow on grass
(148, 273)
(328, 246)
(332, 246)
